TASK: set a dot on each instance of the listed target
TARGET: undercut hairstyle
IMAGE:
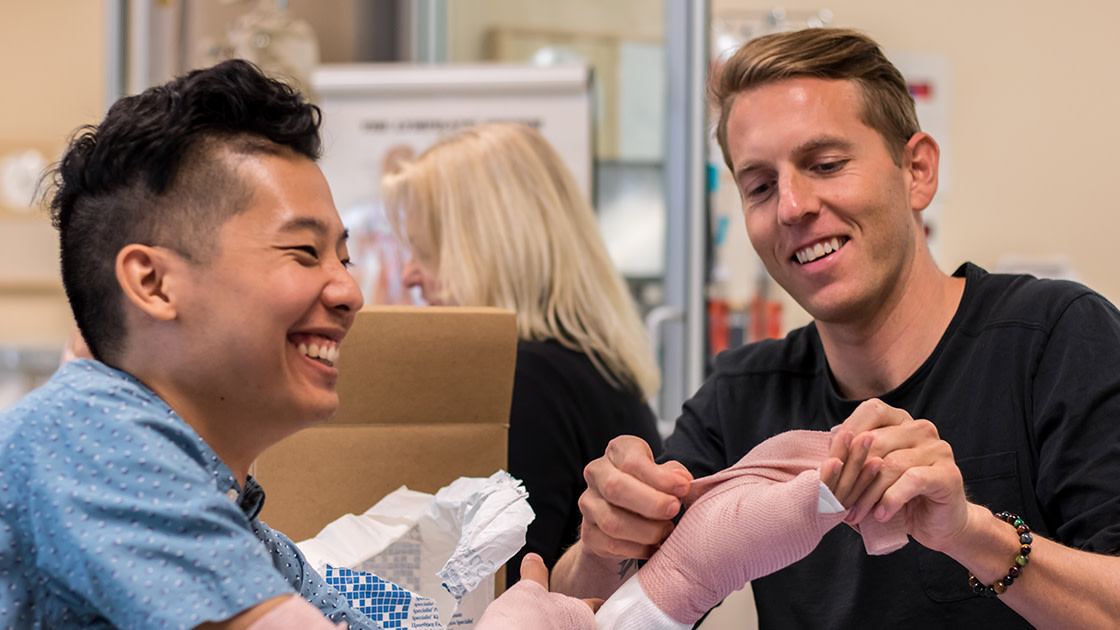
(162, 170)
(822, 53)
(499, 219)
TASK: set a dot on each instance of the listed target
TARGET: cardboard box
(424, 399)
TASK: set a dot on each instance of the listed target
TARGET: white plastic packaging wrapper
(422, 561)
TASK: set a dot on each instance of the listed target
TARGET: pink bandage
(529, 606)
(757, 517)
(295, 614)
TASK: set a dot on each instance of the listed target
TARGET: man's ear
(146, 275)
(922, 156)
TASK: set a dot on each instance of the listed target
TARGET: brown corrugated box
(424, 399)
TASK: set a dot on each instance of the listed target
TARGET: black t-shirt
(1025, 387)
(563, 414)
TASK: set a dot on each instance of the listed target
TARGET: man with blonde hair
(948, 396)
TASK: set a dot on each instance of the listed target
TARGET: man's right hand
(630, 500)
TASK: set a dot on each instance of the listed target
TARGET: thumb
(532, 568)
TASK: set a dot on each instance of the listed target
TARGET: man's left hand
(881, 461)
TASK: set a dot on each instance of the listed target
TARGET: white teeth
(327, 353)
(809, 254)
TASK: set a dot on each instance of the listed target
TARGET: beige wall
(1032, 117)
(53, 76)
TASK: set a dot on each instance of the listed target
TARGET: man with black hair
(206, 267)
(205, 264)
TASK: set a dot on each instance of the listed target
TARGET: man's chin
(326, 413)
(318, 413)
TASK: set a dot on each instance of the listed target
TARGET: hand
(850, 468)
(529, 606)
(891, 462)
(630, 500)
(534, 570)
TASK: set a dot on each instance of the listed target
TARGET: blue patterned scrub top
(114, 513)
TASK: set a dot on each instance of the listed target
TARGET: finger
(866, 477)
(853, 467)
(532, 568)
(939, 483)
(861, 505)
(614, 533)
(631, 493)
(595, 604)
(872, 414)
(893, 466)
(830, 472)
(839, 444)
(908, 435)
(633, 456)
(676, 468)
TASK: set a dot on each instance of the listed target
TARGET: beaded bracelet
(1021, 560)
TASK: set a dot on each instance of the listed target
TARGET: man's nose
(343, 292)
(796, 198)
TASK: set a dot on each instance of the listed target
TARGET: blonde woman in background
(494, 218)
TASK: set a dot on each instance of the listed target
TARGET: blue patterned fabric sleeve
(311, 586)
(111, 505)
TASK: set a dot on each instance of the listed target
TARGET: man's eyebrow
(315, 225)
(805, 148)
(304, 223)
(822, 142)
(747, 167)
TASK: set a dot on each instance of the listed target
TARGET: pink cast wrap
(295, 614)
(748, 521)
(529, 606)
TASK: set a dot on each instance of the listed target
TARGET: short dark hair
(823, 53)
(160, 170)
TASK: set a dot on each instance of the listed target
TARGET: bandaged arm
(529, 606)
(763, 514)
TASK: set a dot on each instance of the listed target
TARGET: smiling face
(827, 209)
(263, 319)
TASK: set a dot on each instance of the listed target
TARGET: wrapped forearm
(529, 606)
(764, 513)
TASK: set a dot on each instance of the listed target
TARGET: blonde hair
(497, 217)
(823, 53)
